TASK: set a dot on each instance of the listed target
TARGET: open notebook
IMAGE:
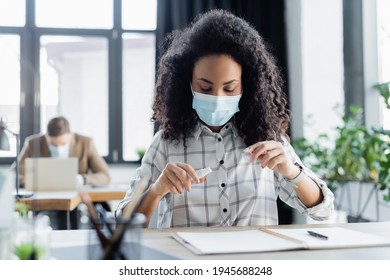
(266, 240)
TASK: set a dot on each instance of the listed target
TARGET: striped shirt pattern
(236, 193)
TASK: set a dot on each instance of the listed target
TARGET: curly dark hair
(263, 114)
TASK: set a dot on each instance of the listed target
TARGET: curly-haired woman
(219, 102)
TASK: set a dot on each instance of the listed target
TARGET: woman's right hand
(174, 178)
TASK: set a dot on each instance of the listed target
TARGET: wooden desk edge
(70, 203)
(106, 196)
(52, 204)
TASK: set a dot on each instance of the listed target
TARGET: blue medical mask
(215, 110)
(60, 151)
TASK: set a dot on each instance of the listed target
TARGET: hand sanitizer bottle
(203, 172)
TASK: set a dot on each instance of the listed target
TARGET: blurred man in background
(60, 142)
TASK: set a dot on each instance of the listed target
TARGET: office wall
(122, 173)
(315, 50)
(315, 59)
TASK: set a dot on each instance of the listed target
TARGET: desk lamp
(4, 145)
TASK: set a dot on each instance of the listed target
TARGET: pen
(317, 235)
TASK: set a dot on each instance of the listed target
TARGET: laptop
(51, 174)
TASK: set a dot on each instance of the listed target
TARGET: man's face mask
(60, 151)
(59, 146)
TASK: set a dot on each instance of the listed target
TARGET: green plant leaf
(384, 90)
(358, 152)
(27, 251)
(21, 208)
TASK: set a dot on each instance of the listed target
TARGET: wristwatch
(299, 177)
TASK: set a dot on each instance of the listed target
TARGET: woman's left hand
(271, 154)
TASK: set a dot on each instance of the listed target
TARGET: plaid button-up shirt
(236, 192)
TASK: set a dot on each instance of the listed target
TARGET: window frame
(30, 35)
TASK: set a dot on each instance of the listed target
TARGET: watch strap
(298, 178)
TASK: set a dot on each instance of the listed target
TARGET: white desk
(160, 240)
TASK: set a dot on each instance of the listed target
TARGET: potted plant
(140, 153)
(32, 235)
(357, 154)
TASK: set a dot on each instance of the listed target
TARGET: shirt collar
(226, 129)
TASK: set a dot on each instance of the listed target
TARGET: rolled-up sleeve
(286, 191)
